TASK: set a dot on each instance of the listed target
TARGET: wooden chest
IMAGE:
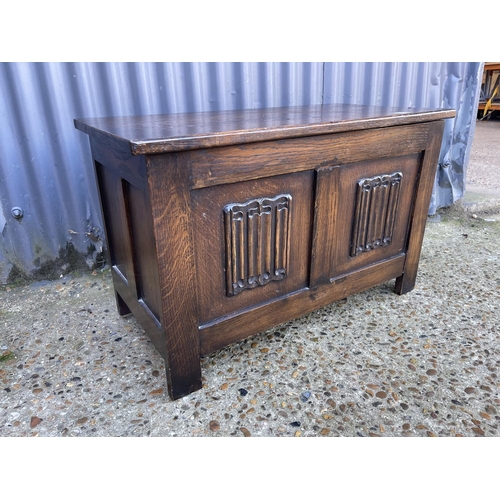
(220, 225)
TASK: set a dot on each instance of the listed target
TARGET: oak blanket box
(220, 225)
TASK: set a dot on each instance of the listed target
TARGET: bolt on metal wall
(50, 220)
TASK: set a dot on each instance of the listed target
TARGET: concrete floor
(375, 364)
(483, 171)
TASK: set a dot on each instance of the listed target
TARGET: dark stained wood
(172, 221)
(184, 131)
(257, 242)
(116, 221)
(126, 296)
(253, 161)
(237, 327)
(221, 225)
(125, 166)
(334, 231)
(129, 234)
(417, 220)
(208, 217)
(141, 234)
(326, 208)
(121, 305)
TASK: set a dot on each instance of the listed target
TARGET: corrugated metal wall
(45, 162)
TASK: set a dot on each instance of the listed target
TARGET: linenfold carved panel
(257, 237)
(376, 204)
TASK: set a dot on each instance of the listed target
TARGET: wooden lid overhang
(155, 134)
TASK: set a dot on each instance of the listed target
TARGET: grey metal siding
(45, 161)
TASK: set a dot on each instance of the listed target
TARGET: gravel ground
(375, 364)
(483, 171)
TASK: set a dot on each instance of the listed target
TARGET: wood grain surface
(154, 134)
(223, 224)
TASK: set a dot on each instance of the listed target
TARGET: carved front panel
(257, 242)
(376, 205)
